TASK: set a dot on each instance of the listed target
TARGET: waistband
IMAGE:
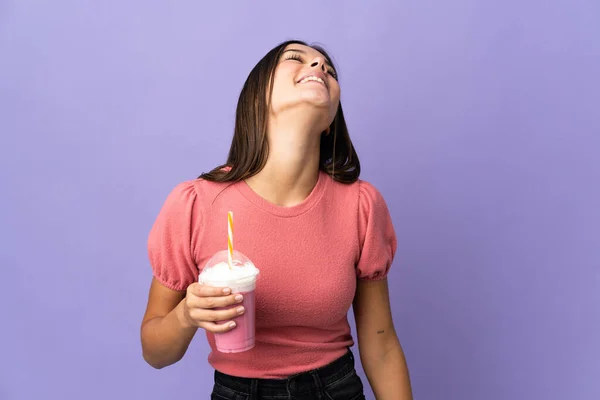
(324, 375)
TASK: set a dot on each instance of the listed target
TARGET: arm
(173, 317)
(380, 351)
(165, 333)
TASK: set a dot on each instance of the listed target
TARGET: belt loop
(254, 389)
(288, 386)
(318, 384)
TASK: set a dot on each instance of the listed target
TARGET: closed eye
(297, 57)
(332, 72)
(294, 56)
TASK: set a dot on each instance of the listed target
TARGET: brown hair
(249, 147)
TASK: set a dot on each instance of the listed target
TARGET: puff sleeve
(377, 237)
(169, 240)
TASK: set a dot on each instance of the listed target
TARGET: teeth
(312, 78)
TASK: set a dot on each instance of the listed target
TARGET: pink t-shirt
(309, 255)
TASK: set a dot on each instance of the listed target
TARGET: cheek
(284, 74)
(334, 90)
(335, 100)
(281, 85)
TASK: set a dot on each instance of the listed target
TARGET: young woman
(322, 238)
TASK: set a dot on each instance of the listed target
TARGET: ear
(327, 131)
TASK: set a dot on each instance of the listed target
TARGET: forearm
(388, 374)
(166, 339)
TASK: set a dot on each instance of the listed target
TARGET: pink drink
(241, 278)
(240, 338)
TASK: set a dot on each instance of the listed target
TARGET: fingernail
(226, 290)
(232, 324)
(239, 298)
(240, 310)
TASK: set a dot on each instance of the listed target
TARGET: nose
(318, 62)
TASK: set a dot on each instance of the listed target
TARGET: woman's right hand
(200, 308)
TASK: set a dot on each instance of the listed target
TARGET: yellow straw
(230, 238)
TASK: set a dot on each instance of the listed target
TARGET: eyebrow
(304, 52)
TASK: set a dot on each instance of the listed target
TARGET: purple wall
(478, 120)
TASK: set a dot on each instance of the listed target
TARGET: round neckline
(283, 211)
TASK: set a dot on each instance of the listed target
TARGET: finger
(207, 315)
(200, 290)
(218, 328)
(214, 302)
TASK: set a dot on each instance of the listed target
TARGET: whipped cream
(221, 272)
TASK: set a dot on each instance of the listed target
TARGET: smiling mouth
(312, 79)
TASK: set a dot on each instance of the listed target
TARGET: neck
(292, 168)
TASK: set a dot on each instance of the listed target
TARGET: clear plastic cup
(241, 278)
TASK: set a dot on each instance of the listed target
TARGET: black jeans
(336, 381)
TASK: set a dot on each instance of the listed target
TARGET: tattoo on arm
(380, 332)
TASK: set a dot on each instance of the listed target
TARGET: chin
(317, 100)
(316, 103)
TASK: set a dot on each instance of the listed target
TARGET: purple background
(478, 120)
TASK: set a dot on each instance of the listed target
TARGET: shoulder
(367, 189)
(369, 196)
(373, 211)
(195, 191)
(377, 236)
(365, 193)
(360, 186)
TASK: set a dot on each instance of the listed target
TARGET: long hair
(249, 146)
